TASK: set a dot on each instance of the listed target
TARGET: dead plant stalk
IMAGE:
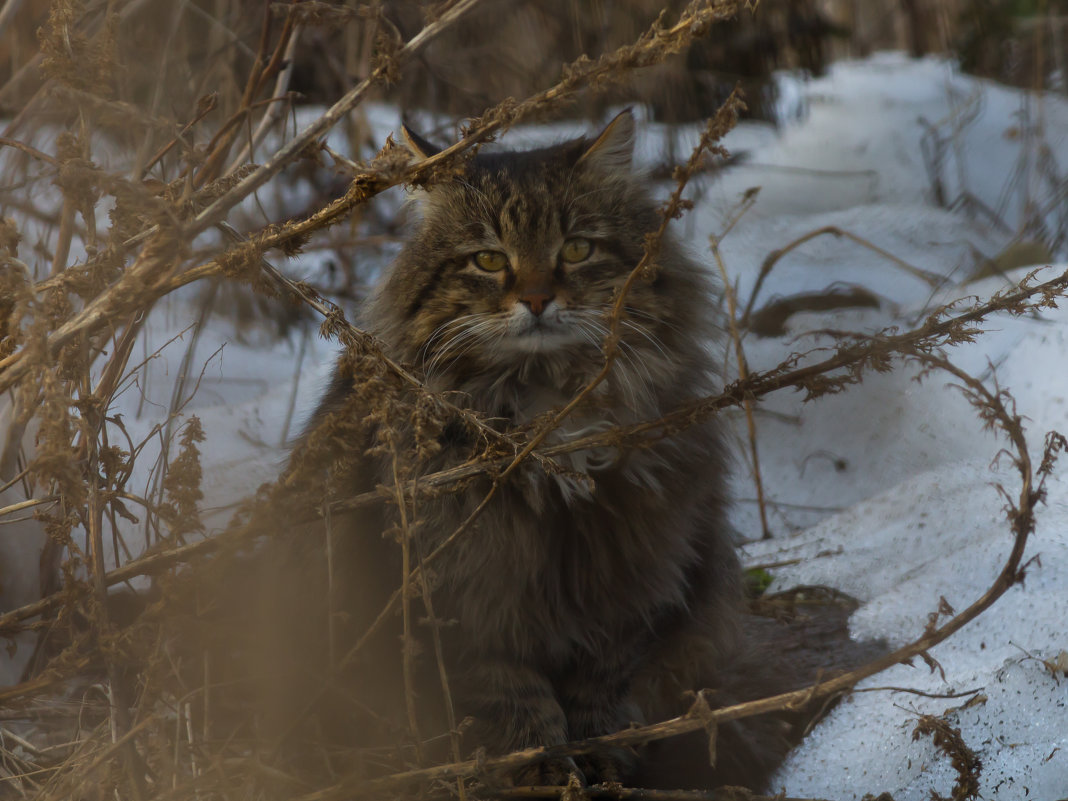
(739, 355)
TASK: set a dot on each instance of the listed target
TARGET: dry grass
(133, 185)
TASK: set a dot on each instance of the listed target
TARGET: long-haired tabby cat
(572, 608)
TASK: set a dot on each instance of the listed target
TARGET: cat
(571, 583)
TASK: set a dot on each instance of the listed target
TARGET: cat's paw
(608, 765)
(550, 772)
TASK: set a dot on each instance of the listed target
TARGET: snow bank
(892, 483)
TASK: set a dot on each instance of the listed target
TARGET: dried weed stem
(385, 70)
(109, 291)
(739, 356)
(933, 280)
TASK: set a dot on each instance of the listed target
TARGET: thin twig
(739, 356)
(289, 151)
(931, 279)
(28, 504)
(29, 150)
(439, 657)
(274, 109)
(204, 107)
(407, 641)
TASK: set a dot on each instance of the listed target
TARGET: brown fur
(564, 591)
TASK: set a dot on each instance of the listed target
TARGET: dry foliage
(108, 712)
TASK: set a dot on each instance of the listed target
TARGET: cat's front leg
(595, 699)
(514, 707)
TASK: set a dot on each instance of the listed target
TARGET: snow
(885, 491)
(906, 464)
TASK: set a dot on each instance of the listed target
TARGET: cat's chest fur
(543, 574)
(560, 562)
(529, 394)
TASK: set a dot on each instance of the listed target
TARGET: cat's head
(521, 256)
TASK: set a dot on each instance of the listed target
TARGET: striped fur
(563, 590)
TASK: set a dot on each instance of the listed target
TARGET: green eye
(576, 250)
(492, 261)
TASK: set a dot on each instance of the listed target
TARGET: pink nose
(536, 301)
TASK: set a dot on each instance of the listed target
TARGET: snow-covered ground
(885, 491)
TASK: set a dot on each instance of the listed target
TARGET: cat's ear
(419, 147)
(613, 149)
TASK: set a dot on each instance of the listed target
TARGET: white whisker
(653, 340)
(634, 375)
(483, 198)
(440, 332)
(475, 330)
(635, 312)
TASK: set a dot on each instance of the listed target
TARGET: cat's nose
(536, 301)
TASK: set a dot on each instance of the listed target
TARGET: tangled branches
(69, 337)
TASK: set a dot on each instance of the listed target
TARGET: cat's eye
(491, 261)
(576, 250)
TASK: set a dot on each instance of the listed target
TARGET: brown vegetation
(105, 708)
